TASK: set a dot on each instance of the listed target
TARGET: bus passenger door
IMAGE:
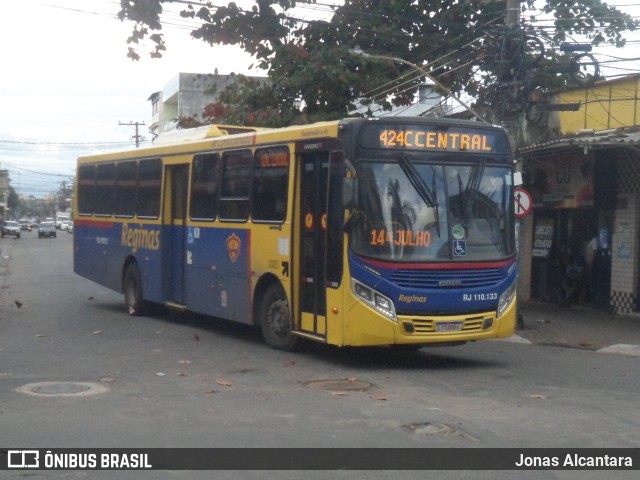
(312, 218)
(175, 232)
(321, 217)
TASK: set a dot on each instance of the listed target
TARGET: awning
(588, 139)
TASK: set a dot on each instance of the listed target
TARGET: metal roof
(625, 137)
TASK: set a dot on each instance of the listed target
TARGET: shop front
(581, 241)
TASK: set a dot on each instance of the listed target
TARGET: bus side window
(125, 194)
(149, 188)
(86, 189)
(270, 185)
(105, 185)
(204, 187)
(236, 181)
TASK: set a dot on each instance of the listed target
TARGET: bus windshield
(414, 211)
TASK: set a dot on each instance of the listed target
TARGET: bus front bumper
(368, 330)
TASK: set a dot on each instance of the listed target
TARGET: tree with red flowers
(312, 76)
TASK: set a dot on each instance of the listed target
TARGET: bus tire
(133, 300)
(275, 319)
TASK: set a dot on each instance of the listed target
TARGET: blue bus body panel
(102, 247)
(414, 291)
(216, 277)
(217, 273)
(92, 245)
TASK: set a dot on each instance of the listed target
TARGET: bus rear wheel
(275, 320)
(133, 300)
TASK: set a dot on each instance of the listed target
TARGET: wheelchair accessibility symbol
(459, 248)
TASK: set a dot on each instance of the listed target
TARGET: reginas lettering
(136, 238)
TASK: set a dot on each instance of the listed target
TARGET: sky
(67, 84)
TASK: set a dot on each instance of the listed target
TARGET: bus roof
(200, 133)
(220, 136)
(232, 137)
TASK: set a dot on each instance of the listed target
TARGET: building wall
(605, 106)
(626, 232)
(186, 95)
(525, 247)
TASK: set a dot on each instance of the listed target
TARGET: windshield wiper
(427, 195)
(473, 185)
(462, 195)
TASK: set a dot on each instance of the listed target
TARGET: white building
(186, 95)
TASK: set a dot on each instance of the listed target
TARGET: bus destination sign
(273, 157)
(422, 137)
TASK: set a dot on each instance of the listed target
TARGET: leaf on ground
(378, 397)
(538, 395)
(182, 374)
(226, 383)
(97, 332)
(90, 298)
(289, 363)
(185, 362)
(197, 338)
(351, 379)
(338, 394)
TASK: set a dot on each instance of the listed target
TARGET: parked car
(65, 225)
(47, 229)
(9, 227)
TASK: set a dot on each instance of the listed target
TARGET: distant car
(65, 225)
(25, 224)
(70, 227)
(9, 227)
(47, 229)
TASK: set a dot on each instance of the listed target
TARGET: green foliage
(312, 76)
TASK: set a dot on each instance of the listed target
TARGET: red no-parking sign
(523, 202)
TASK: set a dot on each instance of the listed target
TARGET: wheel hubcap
(279, 317)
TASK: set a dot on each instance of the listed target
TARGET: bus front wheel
(136, 306)
(275, 320)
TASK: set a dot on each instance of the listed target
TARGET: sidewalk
(579, 327)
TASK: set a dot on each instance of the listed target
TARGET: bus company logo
(23, 459)
(412, 298)
(233, 247)
(136, 238)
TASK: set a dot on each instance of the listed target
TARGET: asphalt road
(182, 380)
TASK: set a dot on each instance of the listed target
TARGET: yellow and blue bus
(359, 232)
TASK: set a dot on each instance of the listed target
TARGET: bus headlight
(506, 298)
(374, 299)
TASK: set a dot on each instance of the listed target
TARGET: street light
(359, 53)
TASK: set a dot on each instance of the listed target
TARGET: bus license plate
(449, 327)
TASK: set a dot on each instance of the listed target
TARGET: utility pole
(513, 20)
(137, 136)
(513, 13)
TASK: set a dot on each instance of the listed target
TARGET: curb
(514, 339)
(622, 349)
(618, 349)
